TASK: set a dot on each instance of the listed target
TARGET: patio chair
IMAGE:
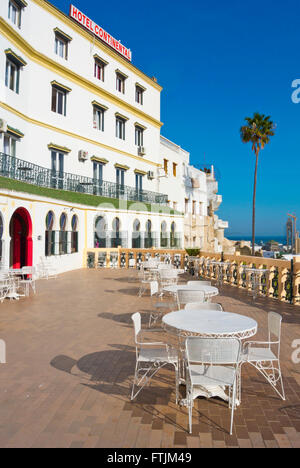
(205, 306)
(5, 284)
(199, 283)
(212, 362)
(158, 303)
(145, 279)
(150, 358)
(29, 281)
(264, 355)
(184, 296)
(167, 277)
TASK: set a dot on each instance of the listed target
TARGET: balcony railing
(30, 173)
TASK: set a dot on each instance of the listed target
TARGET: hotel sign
(99, 32)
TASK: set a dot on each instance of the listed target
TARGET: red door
(21, 238)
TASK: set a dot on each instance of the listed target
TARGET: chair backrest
(199, 283)
(274, 325)
(168, 274)
(137, 323)
(184, 296)
(203, 306)
(213, 350)
(153, 288)
(165, 266)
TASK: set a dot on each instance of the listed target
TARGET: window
(139, 94)
(59, 100)
(98, 172)
(49, 235)
(174, 169)
(99, 69)
(116, 239)
(138, 182)
(120, 82)
(74, 234)
(120, 176)
(136, 235)
(194, 207)
(166, 166)
(100, 232)
(61, 47)
(61, 43)
(139, 136)
(98, 118)
(57, 169)
(120, 128)
(14, 13)
(9, 145)
(12, 76)
(63, 235)
(1, 241)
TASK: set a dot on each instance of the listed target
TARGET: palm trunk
(254, 199)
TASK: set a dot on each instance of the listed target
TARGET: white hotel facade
(82, 160)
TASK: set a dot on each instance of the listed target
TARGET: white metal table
(209, 324)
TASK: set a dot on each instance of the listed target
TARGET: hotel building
(81, 160)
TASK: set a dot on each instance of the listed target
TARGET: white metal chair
(184, 296)
(150, 358)
(199, 283)
(158, 303)
(168, 277)
(30, 272)
(145, 279)
(5, 284)
(205, 306)
(212, 362)
(264, 355)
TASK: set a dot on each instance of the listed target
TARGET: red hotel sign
(99, 32)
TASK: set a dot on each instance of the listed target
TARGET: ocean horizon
(258, 239)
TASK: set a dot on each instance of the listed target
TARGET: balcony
(24, 171)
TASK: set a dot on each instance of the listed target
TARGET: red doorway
(21, 239)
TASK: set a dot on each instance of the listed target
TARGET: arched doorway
(20, 230)
(100, 232)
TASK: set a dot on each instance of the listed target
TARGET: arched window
(116, 233)
(173, 239)
(63, 235)
(74, 234)
(100, 232)
(163, 234)
(136, 235)
(148, 235)
(49, 235)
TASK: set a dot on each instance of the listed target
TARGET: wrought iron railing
(25, 171)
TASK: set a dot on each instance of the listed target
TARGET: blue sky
(219, 62)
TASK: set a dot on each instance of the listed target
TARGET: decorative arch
(116, 239)
(49, 234)
(21, 245)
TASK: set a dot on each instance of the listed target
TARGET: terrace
(70, 365)
(24, 171)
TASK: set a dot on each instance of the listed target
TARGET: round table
(208, 324)
(209, 291)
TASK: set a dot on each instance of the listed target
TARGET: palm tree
(258, 131)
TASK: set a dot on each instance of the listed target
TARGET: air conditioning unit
(150, 175)
(142, 150)
(82, 155)
(3, 125)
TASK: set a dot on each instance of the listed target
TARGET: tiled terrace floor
(70, 361)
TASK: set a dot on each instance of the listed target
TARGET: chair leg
(134, 380)
(232, 406)
(190, 409)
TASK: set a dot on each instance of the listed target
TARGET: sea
(260, 240)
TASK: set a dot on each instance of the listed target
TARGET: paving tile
(71, 359)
